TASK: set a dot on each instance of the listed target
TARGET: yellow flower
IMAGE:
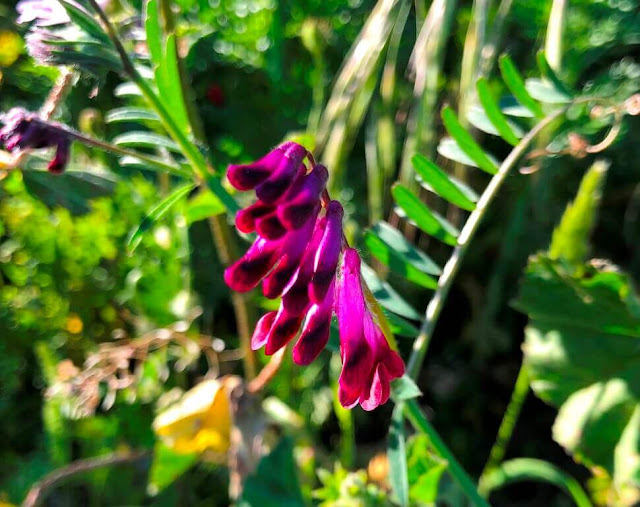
(10, 47)
(199, 422)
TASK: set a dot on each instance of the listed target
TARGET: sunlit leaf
(444, 185)
(146, 140)
(515, 83)
(546, 92)
(132, 114)
(85, 21)
(427, 220)
(509, 132)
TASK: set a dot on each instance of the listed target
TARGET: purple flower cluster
(25, 130)
(296, 256)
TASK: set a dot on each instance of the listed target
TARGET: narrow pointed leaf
(507, 131)
(549, 74)
(444, 185)
(398, 471)
(157, 213)
(466, 142)
(146, 140)
(426, 220)
(402, 262)
(546, 92)
(479, 119)
(169, 83)
(449, 148)
(400, 326)
(132, 114)
(515, 83)
(387, 296)
(85, 21)
(153, 32)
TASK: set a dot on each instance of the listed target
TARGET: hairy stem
(38, 493)
(452, 266)
(421, 423)
(508, 424)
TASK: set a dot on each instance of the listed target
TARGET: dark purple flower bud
(246, 218)
(261, 331)
(315, 332)
(285, 326)
(282, 177)
(246, 273)
(24, 130)
(270, 227)
(294, 246)
(328, 254)
(282, 161)
(300, 202)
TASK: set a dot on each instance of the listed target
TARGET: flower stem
(508, 424)
(422, 424)
(452, 266)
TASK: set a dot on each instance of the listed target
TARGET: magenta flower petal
(282, 177)
(61, 159)
(247, 272)
(328, 254)
(246, 218)
(368, 363)
(293, 248)
(270, 227)
(315, 332)
(285, 326)
(301, 202)
(262, 329)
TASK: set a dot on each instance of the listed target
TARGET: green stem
(452, 266)
(420, 423)
(508, 424)
(347, 432)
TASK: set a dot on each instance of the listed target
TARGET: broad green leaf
(387, 297)
(275, 481)
(397, 455)
(133, 114)
(509, 132)
(570, 239)
(169, 84)
(203, 206)
(146, 140)
(154, 32)
(426, 220)
(444, 185)
(527, 469)
(549, 74)
(404, 388)
(85, 21)
(166, 467)
(515, 83)
(391, 248)
(157, 213)
(581, 347)
(466, 142)
(546, 92)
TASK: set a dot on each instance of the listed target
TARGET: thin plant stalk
(509, 420)
(490, 49)
(422, 424)
(555, 31)
(452, 266)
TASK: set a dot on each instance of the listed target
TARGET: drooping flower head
(25, 130)
(296, 256)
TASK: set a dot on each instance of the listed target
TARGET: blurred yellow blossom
(199, 422)
(10, 47)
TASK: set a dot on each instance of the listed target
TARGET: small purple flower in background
(296, 256)
(46, 12)
(24, 130)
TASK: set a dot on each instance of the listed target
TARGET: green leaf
(404, 388)
(479, 119)
(401, 327)
(146, 140)
(444, 185)
(509, 132)
(275, 482)
(127, 90)
(133, 114)
(85, 21)
(466, 142)
(170, 85)
(449, 148)
(570, 239)
(154, 32)
(397, 454)
(157, 213)
(387, 296)
(391, 248)
(515, 83)
(546, 92)
(425, 470)
(527, 469)
(166, 467)
(581, 349)
(203, 206)
(427, 220)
